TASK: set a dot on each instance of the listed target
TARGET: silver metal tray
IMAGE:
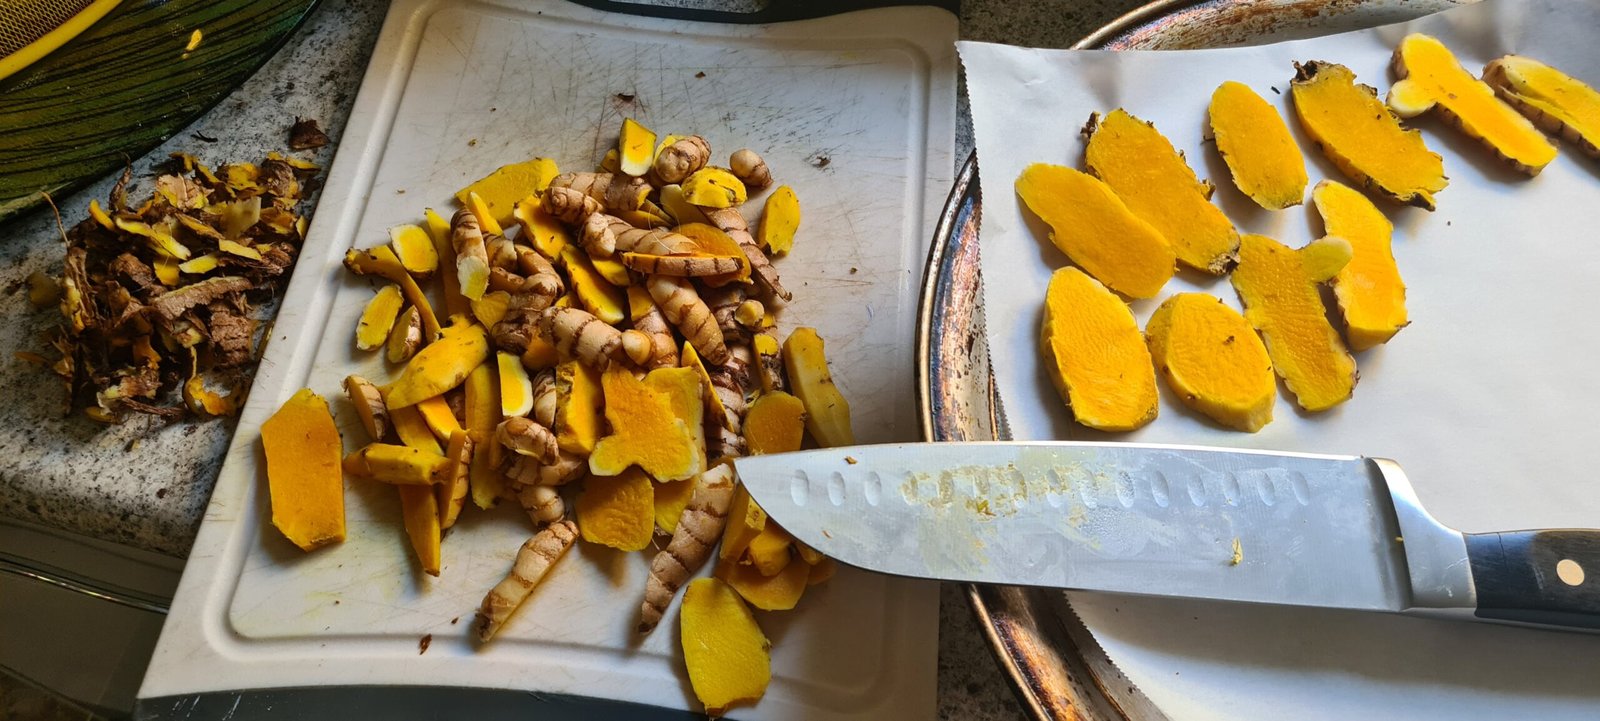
(1050, 658)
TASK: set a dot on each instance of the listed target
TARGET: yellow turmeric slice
(415, 249)
(723, 647)
(1156, 183)
(439, 232)
(618, 511)
(1559, 103)
(579, 400)
(684, 388)
(378, 317)
(780, 218)
(769, 551)
(713, 188)
(1213, 359)
(491, 308)
(501, 190)
(671, 498)
(1431, 77)
(540, 229)
(452, 494)
(405, 337)
(595, 294)
(440, 419)
(419, 509)
(644, 432)
(636, 148)
(1372, 298)
(401, 465)
(1253, 140)
(442, 365)
(775, 423)
(303, 474)
(1362, 137)
(827, 411)
(382, 262)
(1095, 354)
(1278, 286)
(746, 520)
(482, 417)
(1096, 230)
(778, 592)
(821, 571)
(516, 388)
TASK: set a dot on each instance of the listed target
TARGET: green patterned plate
(125, 85)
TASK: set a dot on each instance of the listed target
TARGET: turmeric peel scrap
(1213, 359)
(1559, 103)
(1095, 354)
(1278, 286)
(746, 520)
(1371, 295)
(303, 474)
(1431, 77)
(1096, 229)
(1253, 140)
(1362, 137)
(1157, 185)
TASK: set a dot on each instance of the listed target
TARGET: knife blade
(1232, 525)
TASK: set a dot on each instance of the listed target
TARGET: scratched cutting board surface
(856, 112)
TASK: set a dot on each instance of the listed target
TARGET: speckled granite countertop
(146, 485)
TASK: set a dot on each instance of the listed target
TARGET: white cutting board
(856, 112)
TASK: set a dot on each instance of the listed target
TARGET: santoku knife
(1280, 528)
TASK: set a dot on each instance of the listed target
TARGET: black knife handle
(1550, 578)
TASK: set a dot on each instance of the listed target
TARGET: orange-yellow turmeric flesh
(1559, 103)
(1096, 355)
(778, 592)
(1372, 298)
(618, 511)
(644, 432)
(304, 478)
(1431, 77)
(1153, 180)
(723, 647)
(1278, 286)
(1213, 360)
(1253, 140)
(1096, 230)
(1363, 138)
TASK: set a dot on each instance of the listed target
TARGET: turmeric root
(533, 561)
(528, 438)
(1214, 360)
(647, 319)
(540, 287)
(775, 423)
(1156, 183)
(724, 303)
(827, 411)
(707, 239)
(381, 261)
(644, 432)
(617, 511)
(682, 265)
(681, 159)
(370, 408)
(1362, 137)
(1278, 286)
(502, 253)
(404, 337)
(543, 504)
(636, 147)
(637, 346)
(443, 365)
(683, 307)
(750, 169)
(724, 648)
(576, 333)
(472, 256)
(779, 592)
(769, 359)
(780, 218)
(1559, 103)
(1096, 229)
(1371, 295)
(397, 464)
(729, 221)
(439, 232)
(1430, 77)
(698, 530)
(1253, 140)
(678, 207)
(544, 398)
(525, 471)
(1095, 354)
(302, 449)
(713, 188)
(580, 396)
(378, 318)
(452, 494)
(616, 193)
(569, 206)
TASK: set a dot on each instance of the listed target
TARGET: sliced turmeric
(516, 388)
(1213, 359)
(413, 430)
(378, 317)
(746, 520)
(369, 405)
(472, 255)
(602, 299)
(492, 307)
(685, 389)
(415, 249)
(697, 532)
(1431, 77)
(713, 241)
(827, 411)
(1096, 229)
(821, 571)
(451, 495)
(419, 509)
(1559, 103)
(713, 188)
(617, 511)
(780, 218)
(1157, 185)
(1095, 354)
(1278, 286)
(501, 189)
(1371, 295)
(691, 359)
(540, 229)
(486, 218)
(304, 481)
(437, 414)
(439, 232)
(678, 207)
(1362, 137)
(1253, 140)
(636, 148)
(644, 432)
(533, 561)
(775, 423)
(442, 365)
(769, 551)
(381, 261)
(401, 465)
(482, 416)
(724, 648)
(778, 592)
(405, 337)
(671, 497)
(580, 396)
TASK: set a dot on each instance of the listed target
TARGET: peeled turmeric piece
(775, 423)
(382, 262)
(1431, 77)
(1372, 297)
(419, 509)
(636, 148)
(401, 465)
(724, 648)
(1362, 137)
(1096, 229)
(746, 520)
(685, 389)
(1095, 354)
(451, 495)
(442, 365)
(303, 475)
(482, 417)
(405, 337)
(827, 411)
(1559, 103)
(516, 388)
(1278, 286)
(671, 498)
(413, 430)
(533, 561)
(378, 317)
(602, 299)
(471, 254)
(713, 188)
(501, 189)
(644, 432)
(415, 249)
(540, 229)
(618, 511)
(1156, 183)
(769, 550)
(439, 232)
(1214, 360)
(580, 396)
(780, 218)
(778, 592)
(1253, 140)
(370, 409)
(492, 307)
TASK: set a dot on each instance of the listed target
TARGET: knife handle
(1549, 578)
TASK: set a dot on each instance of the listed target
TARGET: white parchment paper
(1490, 399)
